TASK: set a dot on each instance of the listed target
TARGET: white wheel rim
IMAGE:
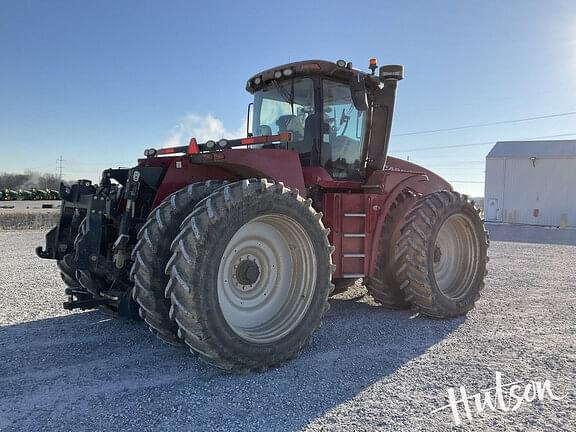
(266, 278)
(456, 256)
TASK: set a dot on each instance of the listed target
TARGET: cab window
(343, 132)
(287, 106)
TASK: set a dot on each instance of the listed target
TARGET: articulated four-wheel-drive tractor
(233, 247)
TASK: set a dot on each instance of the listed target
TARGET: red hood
(395, 164)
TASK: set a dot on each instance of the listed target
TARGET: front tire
(250, 276)
(152, 252)
(443, 254)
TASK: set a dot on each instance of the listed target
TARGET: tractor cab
(327, 108)
(328, 124)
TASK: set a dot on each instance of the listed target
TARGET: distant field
(27, 206)
(16, 215)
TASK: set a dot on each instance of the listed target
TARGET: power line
(480, 143)
(456, 164)
(477, 125)
(475, 103)
(104, 163)
(38, 167)
(446, 146)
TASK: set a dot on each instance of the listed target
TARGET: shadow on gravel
(86, 371)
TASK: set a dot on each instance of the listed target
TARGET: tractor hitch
(84, 301)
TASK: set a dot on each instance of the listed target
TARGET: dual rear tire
(247, 274)
(441, 255)
(433, 255)
(384, 285)
(152, 252)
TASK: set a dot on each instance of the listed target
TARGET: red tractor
(233, 247)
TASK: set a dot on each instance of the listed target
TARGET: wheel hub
(247, 272)
(266, 278)
(437, 254)
(455, 256)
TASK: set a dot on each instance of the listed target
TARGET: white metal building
(531, 182)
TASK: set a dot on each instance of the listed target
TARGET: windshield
(286, 106)
(342, 145)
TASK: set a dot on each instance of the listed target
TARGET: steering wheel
(344, 119)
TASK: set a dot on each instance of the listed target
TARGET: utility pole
(60, 168)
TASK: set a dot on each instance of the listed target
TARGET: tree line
(29, 180)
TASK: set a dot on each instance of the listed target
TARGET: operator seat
(309, 148)
(291, 123)
(263, 130)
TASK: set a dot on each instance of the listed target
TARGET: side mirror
(248, 122)
(358, 93)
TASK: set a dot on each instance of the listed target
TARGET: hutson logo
(502, 397)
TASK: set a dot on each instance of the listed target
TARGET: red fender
(230, 164)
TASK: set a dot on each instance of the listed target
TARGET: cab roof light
(149, 153)
(373, 65)
(214, 147)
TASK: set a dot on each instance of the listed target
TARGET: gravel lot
(368, 369)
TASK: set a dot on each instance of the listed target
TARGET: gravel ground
(368, 368)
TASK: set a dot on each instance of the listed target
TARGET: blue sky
(98, 82)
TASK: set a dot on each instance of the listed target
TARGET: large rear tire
(250, 276)
(443, 251)
(384, 285)
(152, 252)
